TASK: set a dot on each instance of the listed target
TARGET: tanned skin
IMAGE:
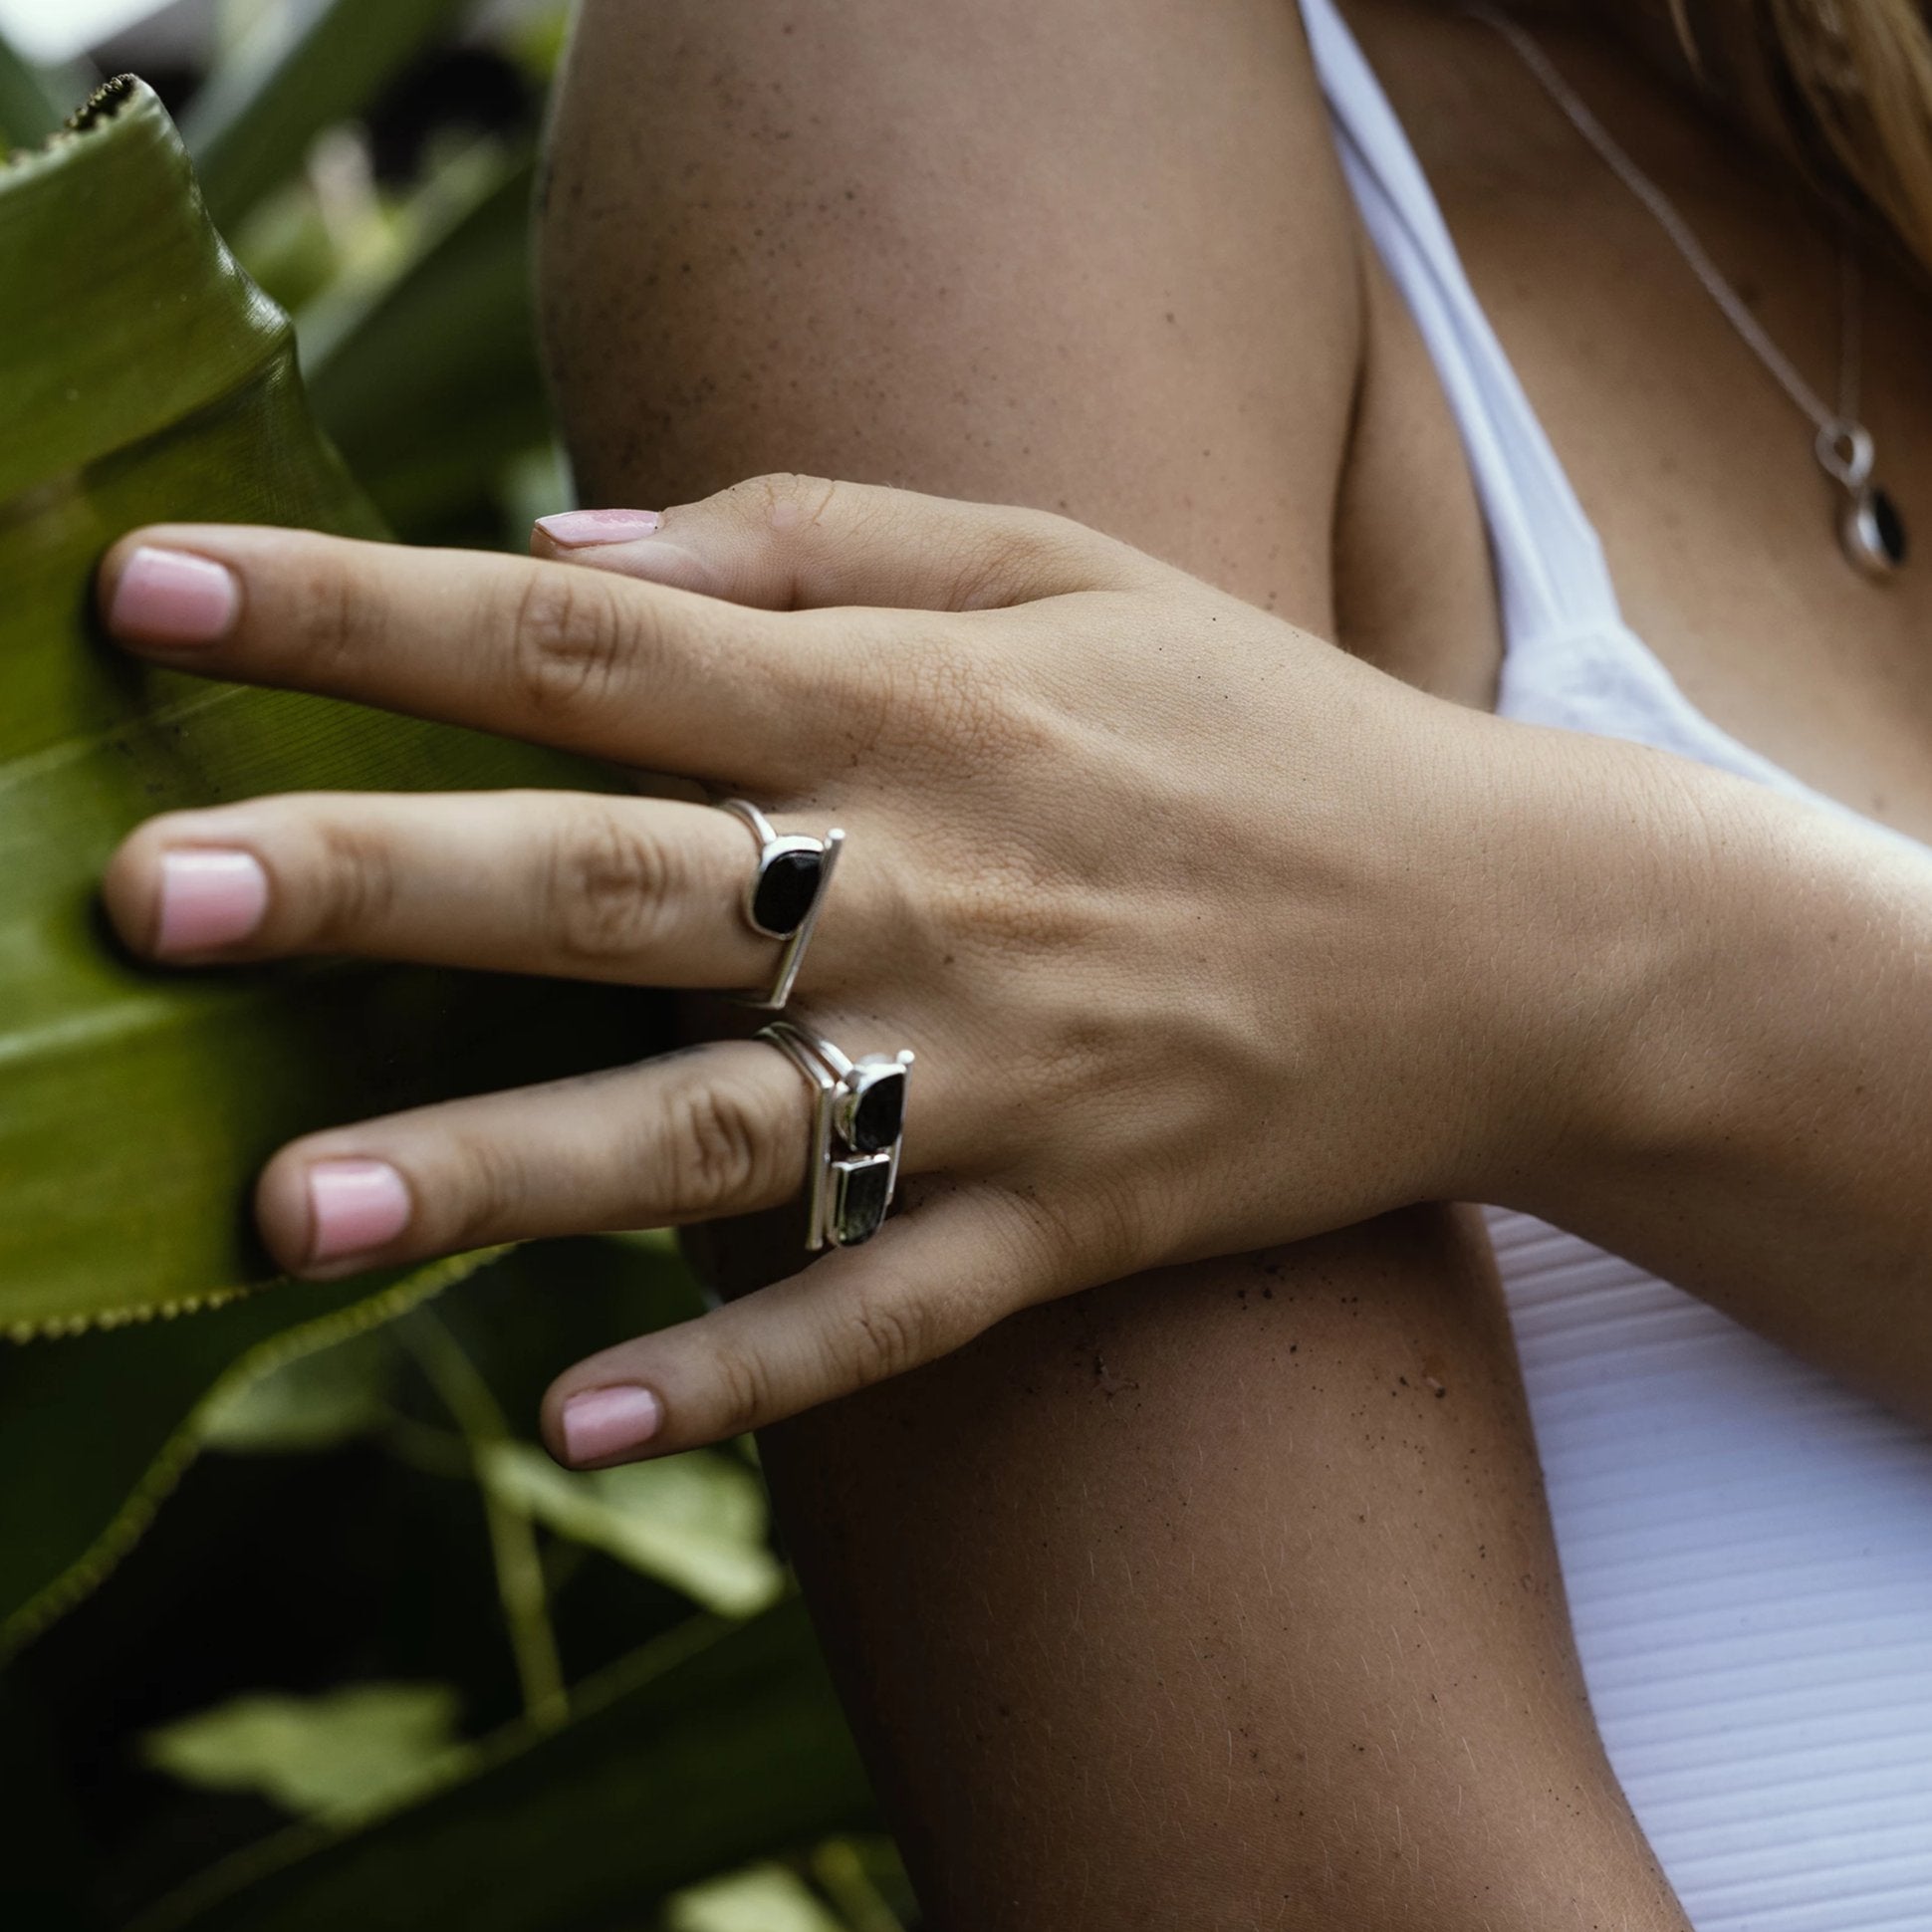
(1224, 1598)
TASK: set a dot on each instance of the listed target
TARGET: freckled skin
(1224, 1598)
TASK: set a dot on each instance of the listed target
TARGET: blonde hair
(1843, 85)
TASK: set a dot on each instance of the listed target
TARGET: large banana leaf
(142, 376)
(669, 1772)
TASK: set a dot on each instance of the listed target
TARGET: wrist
(1614, 899)
(1719, 964)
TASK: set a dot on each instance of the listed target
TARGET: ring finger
(582, 886)
(713, 1130)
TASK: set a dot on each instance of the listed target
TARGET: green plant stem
(513, 1536)
(841, 1877)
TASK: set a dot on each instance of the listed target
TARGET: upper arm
(1092, 257)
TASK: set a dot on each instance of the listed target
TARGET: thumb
(801, 543)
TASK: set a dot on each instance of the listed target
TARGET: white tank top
(1746, 1545)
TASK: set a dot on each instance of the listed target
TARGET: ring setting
(785, 893)
(857, 1131)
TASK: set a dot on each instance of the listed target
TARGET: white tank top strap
(1746, 1546)
(1569, 658)
(1551, 575)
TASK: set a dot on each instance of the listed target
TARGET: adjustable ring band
(857, 1131)
(784, 892)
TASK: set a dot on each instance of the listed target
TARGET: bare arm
(893, 277)
(1189, 1601)
(1763, 1136)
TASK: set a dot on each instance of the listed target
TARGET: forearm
(1097, 1687)
(1751, 985)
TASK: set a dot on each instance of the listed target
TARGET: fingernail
(603, 1422)
(354, 1206)
(166, 597)
(575, 529)
(208, 899)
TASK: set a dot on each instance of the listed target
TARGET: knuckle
(480, 1197)
(937, 701)
(1006, 911)
(1053, 1241)
(787, 498)
(1008, 560)
(333, 626)
(569, 640)
(609, 889)
(743, 1387)
(351, 884)
(719, 1155)
(884, 1336)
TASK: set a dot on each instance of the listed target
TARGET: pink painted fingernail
(209, 900)
(354, 1206)
(576, 528)
(166, 597)
(602, 1422)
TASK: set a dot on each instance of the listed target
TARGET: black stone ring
(857, 1131)
(784, 892)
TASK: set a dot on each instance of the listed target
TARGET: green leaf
(766, 1898)
(76, 1495)
(316, 1401)
(346, 1751)
(301, 69)
(31, 107)
(696, 1521)
(96, 1430)
(146, 377)
(716, 1748)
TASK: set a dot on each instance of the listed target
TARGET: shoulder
(1097, 258)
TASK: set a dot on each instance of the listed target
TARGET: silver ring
(857, 1131)
(785, 893)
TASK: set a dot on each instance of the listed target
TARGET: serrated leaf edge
(54, 1599)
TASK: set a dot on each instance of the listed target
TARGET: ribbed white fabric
(1747, 1546)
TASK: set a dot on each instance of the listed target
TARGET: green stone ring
(857, 1130)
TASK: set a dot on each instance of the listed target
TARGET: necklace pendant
(1872, 531)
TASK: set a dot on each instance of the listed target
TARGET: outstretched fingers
(647, 891)
(718, 1129)
(721, 1129)
(586, 661)
(937, 1277)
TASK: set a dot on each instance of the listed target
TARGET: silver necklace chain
(1842, 445)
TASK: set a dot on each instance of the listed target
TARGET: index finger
(579, 659)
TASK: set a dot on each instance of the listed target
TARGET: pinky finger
(931, 1282)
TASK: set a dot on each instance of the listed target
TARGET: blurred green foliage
(302, 1630)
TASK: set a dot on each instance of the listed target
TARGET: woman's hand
(1206, 936)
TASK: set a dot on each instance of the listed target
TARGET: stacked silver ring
(785, 893)
(857, 1131)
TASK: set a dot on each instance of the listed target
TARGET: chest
(1694, 466)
